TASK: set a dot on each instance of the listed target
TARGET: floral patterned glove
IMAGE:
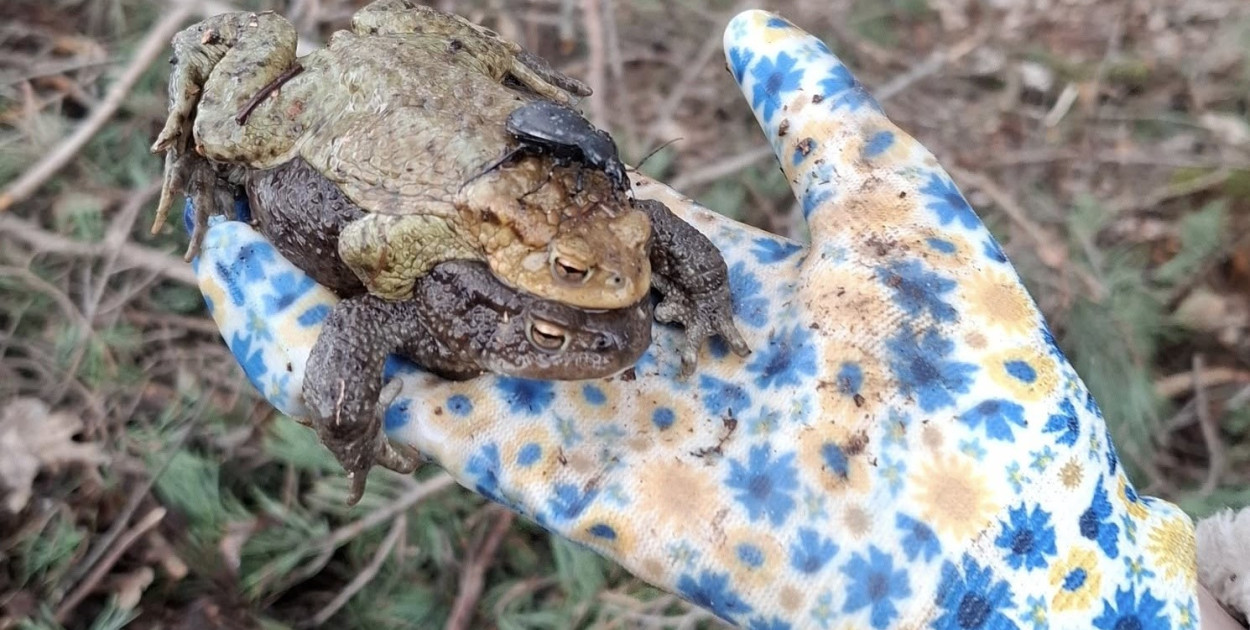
(905, 447)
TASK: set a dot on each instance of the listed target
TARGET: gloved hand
(905, 447)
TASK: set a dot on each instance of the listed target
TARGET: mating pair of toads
(436, 177)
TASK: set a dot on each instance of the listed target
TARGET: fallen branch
(326, 545)
(473, 577)
(1210, 433)
(936, 60)
(363, 578)
(721, 168)
(592, 20)
(67, 606)
(132, 255)
(1175, 385)
(1170, 191)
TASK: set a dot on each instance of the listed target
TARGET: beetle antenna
(494, 165)
(648, 156)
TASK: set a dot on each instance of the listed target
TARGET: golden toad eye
(568, 270)
(546, 336)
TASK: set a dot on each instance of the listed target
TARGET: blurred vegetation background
(144, 484)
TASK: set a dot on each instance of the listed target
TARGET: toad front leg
(343, 386)
(389, 252)
(219, 66)
(691, 274)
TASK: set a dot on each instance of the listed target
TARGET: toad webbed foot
(344, 394)
(691, 275)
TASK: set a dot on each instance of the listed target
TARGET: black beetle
(545, 127)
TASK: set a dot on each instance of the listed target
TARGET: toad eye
(569, 270)
(546, 336)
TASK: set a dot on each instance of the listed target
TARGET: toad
(407, 113)
(534, 338)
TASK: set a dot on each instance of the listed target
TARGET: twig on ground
(418, 493)
(152, 46)
(734, 163)
(34, 282)
(1049, 250)
(592, 19)
(1112, 156)
(44, 69)
(564, 24)
(650, 614)
(362, 578)
(720, 168)
(712, 44)
(1115, 41)
(520, 589)
(149, 49)
(1174, 385)
(67, 606)
(114, 239)
(472, 577)
(1210, 433)
(46, 242)
(612, 35)
(626, 118)
(1062, 106)
(326, 545)
(936, 60)
(1170, 191)
(105, 541)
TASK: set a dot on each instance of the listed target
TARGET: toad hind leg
(688, 270)
(343, 387)
(242, 51)
(537, 69)
(498, 57)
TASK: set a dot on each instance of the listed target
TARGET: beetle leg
(579, 186)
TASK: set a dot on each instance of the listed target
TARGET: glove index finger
(853, 171)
